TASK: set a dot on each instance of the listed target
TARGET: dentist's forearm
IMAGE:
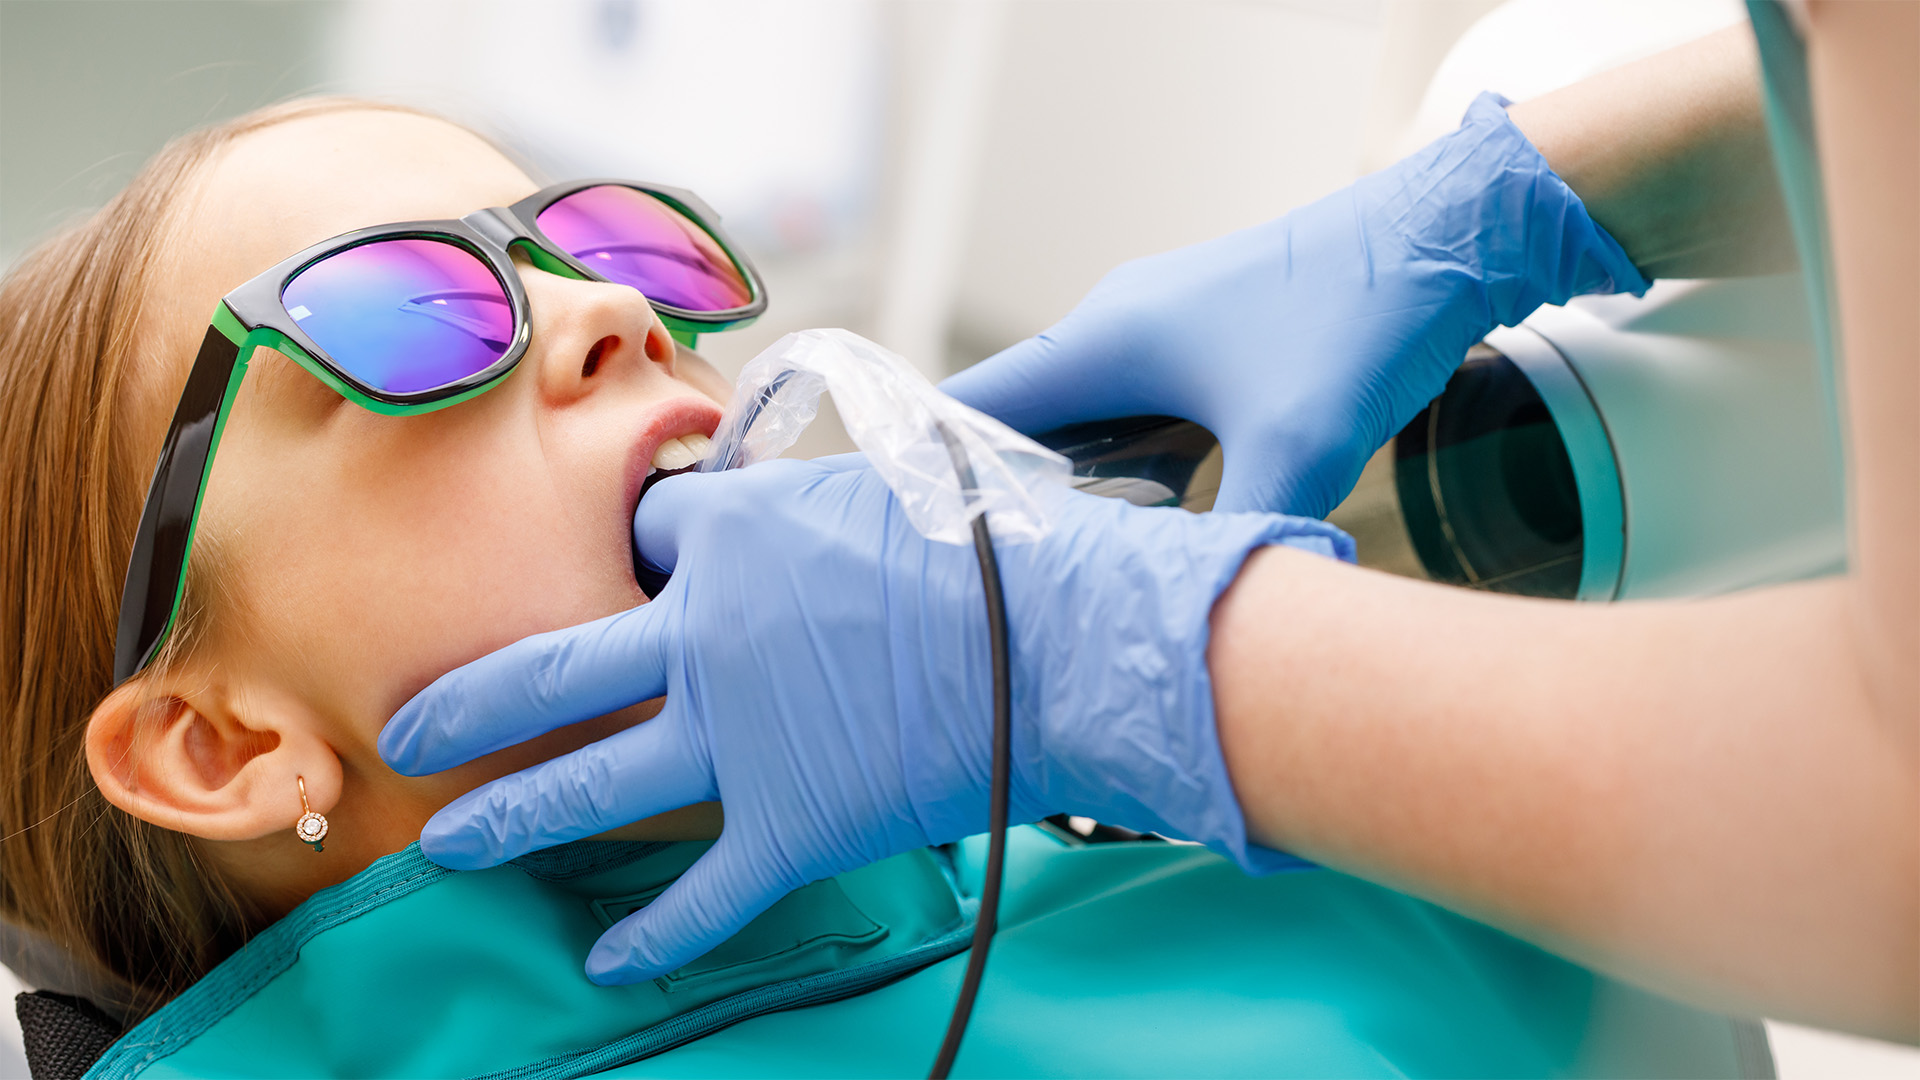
(1698, 796)
(1670, 156)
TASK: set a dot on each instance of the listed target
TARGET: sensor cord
(988, 917)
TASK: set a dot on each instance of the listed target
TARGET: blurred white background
(946, 176)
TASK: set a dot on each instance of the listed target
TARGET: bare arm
(1719, 798)
(1670, 155)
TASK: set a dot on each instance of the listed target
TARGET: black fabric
(36, 960)
(64, 1035)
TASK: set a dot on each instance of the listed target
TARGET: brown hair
(120, 894)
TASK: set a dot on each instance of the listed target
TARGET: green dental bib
(1117, 959)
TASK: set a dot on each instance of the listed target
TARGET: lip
(687, 414)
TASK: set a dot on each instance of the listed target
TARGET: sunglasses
(408, 318)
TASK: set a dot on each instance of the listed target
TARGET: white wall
(1121, 129)
(89, 90)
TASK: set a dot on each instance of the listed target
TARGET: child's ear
(188, 754)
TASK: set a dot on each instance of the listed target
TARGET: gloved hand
(1304, 344)
(828, 679)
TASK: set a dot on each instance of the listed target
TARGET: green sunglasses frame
(254, 316)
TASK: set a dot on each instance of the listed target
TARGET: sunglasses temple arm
(157, 569)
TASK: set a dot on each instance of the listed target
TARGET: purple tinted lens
(628, 236)
(404, 315)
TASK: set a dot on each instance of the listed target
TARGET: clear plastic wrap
(895, 416)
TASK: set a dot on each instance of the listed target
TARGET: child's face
(361, 556)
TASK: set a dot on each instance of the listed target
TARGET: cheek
(414, 553)
(695, 371)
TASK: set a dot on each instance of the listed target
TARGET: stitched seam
(679, 1030)
(197, 1016)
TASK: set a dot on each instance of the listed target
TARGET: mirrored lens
(404, 315)
(628, 236)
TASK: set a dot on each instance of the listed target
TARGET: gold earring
(312, 827)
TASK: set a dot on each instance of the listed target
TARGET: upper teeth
(681, 452)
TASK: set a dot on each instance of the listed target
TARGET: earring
(312, 827)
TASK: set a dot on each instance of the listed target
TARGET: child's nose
(586, 333)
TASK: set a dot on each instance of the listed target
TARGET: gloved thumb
(661, 515)
(1034, 386)
(721, 893)
(1261, 475)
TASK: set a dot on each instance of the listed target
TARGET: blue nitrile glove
(828, 679)
(1306, 343)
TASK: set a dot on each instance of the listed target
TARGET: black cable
(989, 915)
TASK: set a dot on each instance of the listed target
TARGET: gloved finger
(1036, 385)
(1280, 470)
(662, 512)
(648, 769)
(723, 891)
(531, 687)
(1250, 485)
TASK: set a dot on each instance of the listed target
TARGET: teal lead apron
(1133, 959)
